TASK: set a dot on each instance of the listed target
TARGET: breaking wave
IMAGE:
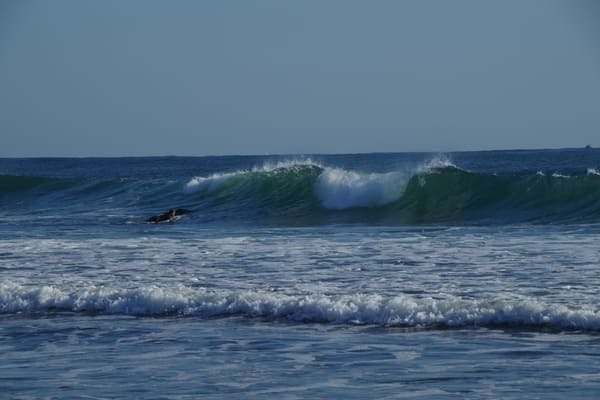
(437, 192)
(355, 309)
(309, 193)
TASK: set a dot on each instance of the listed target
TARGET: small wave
(356, 309)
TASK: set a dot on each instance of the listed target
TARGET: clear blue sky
(116, 78)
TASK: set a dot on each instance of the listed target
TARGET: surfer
(169, 216)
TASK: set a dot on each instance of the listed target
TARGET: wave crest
(214, 181)
(361, 309)
(305, 192)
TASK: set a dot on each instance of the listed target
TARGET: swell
(349, 309)
(308, 193)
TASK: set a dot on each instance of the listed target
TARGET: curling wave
(303, 183)
(309, 193)
(438, 192)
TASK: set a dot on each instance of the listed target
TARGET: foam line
(351, 309)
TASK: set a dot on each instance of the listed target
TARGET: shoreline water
(117, 357)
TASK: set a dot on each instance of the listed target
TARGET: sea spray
(340, 189)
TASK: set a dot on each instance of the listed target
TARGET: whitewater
(409, 275)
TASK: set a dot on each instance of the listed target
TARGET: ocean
(470, 275)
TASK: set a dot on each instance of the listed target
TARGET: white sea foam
(340, 309)
(438, 162)
(283, 165)
(214, 181)
(593, 171)
(340, 189)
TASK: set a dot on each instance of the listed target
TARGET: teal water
(469, 275)
(486, 188)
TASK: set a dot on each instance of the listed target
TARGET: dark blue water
(466, 275)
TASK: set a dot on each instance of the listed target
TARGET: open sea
(469, 275)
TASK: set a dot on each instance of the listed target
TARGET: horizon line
(587, 146)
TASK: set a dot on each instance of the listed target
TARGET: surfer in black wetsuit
(168, 216)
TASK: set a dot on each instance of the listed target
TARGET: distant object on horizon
(588, 146)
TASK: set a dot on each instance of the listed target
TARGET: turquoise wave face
(444, 194)
(311, 193)
(453, 195)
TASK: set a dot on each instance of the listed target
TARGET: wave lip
(351, 309)
(209, 183)
(214, 181)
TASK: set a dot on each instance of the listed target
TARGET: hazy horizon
(295, 155)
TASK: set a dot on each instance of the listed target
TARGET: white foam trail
(593, 171)
(340, 189)
(341, 309)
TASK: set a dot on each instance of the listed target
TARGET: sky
(215, 77)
